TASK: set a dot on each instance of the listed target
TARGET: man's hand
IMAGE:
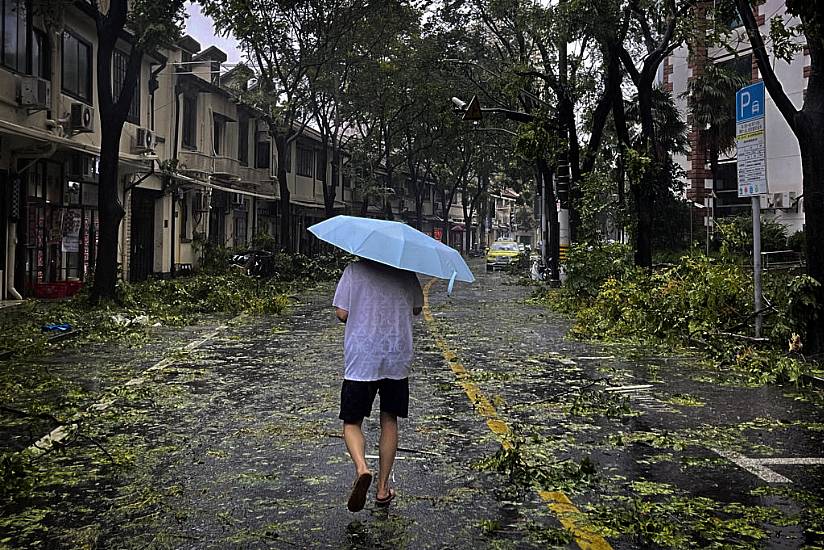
(341, 314)
(416, 310)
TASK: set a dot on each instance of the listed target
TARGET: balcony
(226, 168)
(202, 165)
(255, 175)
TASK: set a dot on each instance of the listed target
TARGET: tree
(807, 124)
(148, 25)
(660, 26)
(282, 44)
(713, 112)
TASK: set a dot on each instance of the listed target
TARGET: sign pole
(756, 261)
(544, 232)
(751, 151)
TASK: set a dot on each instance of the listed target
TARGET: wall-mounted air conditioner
(82, 118)
(144, 140)
(784, 201)
(34, 92)
(82, 167)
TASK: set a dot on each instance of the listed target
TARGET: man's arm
(342, 314)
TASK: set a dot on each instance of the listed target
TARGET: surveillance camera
(458, 103)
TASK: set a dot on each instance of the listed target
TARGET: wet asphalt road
(235, 443)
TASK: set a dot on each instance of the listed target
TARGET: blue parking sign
(749, 102)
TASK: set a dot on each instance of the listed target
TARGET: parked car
(501, 254)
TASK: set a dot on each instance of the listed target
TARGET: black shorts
(356, 398)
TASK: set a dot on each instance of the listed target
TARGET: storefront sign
(71, 231)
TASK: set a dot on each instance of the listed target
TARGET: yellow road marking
(557, 501)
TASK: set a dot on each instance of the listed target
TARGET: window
(304, 161)
(184, 216)
(190, 121)
(77, 67)
(321, 169)
(262, 154)
(219, 126)
(15, 34)
(120, 62)
(40, 55)
(243, 142)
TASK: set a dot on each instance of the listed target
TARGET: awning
(137, 161)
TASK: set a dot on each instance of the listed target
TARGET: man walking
(377, 303)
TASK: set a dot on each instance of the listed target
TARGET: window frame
(219, 144)
(133, 115)
(188, 133)
(243, 141)
(90, 73)
(44, 67)
(304, 167)
(23, 57)
(263, 161)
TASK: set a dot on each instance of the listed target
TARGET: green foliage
(216, 289)
(679, 521)
(598, 206)
(699, 300)
(589, 266)
(797, 242)
(15, 474)
(177, 300)
(736, 235)
(528, 463)
(540, 139)
(785, 39)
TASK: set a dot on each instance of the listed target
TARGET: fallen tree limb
(23, 414)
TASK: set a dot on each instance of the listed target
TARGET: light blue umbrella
(395, 244)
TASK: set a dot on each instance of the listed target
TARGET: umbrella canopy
(395, 244)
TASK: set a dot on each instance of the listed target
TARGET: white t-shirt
(378, 338)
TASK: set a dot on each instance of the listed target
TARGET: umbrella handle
(451, 283)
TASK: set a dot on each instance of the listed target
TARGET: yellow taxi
(501, 254)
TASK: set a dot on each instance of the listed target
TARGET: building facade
(717, 192)
(197, 165)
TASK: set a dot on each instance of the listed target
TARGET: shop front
(59, 234)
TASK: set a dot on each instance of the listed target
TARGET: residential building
(716, 195)
(197, 164)
(49, 144)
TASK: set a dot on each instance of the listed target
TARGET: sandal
(384, 502)
(357, 498)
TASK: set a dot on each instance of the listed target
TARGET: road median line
(557, 501)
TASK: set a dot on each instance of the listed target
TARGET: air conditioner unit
(144, 140)
(34, 92)
(784, 201)
(81, 167)
(82, 118)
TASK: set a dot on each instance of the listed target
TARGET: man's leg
(356, 445)
(388, 446)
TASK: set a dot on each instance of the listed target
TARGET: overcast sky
(203, 30)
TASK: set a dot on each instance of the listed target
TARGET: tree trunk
(553, 245)
(110, 212)
(281, 143)
(335, 179)
(811, 141)
(643, 191)
(419, 210)
(642, 196)
(329, 188)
